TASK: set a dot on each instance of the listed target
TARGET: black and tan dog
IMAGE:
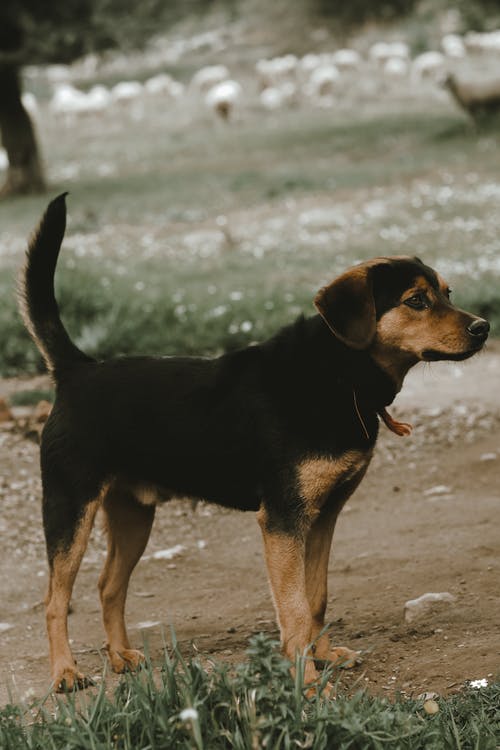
(285, 429)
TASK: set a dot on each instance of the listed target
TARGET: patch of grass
(31, 397)
(256, 704)
(130, 280)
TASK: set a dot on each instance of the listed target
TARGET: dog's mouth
(433, 355)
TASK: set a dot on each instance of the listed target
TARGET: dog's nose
(479, 328)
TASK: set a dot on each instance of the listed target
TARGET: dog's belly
(151, 494)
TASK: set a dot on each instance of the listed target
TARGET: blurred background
(225, 159)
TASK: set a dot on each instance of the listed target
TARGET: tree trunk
(25, 173)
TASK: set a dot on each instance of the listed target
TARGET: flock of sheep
(284, 81)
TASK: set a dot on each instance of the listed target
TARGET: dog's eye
(448, 292)
(417, 302)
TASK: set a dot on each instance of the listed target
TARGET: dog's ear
(348, 307)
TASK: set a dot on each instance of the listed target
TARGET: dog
(285, 428)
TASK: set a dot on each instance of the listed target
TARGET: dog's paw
(343, 657)
(68, 679)
(126, 659)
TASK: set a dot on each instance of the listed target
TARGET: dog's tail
(37, 300)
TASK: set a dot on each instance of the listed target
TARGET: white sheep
(276, 70)
(223, 97)
(98, 99)
(381, 52)
(208, 77)
(488, 42)
(275, 97)
(164, 84)
(309, 62)
(479, 97)
(453, 46)
(396, 67)
(346, 59)
(126, 91)
(431, 65)
(67, 100)
(323, 81)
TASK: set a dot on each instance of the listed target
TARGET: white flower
(188, 714)
(476, 684)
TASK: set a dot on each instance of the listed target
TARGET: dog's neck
(395, 364)
(374, 386)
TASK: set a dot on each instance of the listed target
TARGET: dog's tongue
(400, 428)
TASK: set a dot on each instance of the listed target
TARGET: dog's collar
(403, 429)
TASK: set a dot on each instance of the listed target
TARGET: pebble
(415, 608)
(147, 624)
(431, 707)
(438, 489)
(168, 554)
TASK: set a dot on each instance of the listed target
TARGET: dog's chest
(324, 479)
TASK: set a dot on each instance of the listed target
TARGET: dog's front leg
(285, 560)
(318, 543)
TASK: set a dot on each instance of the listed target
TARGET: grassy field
(254, 705)
(196, 236)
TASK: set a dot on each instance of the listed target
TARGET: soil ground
(425, 519)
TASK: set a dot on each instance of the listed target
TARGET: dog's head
(400, 310)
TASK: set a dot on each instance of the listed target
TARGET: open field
(190, 235)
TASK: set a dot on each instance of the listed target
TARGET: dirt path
(426, 518)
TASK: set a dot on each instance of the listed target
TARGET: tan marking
(62, 577)
(148, 494)
(319, 476)
(403, 334)
(128, 525)
(286, 571)
(293, 567)
(318, 545)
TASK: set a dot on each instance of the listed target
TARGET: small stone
(415, 608)
(147, 624)
(488, 457)
(438, 489)
(168, 554)
(431, 707)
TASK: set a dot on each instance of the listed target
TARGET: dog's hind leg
(67, 530)
(128, 525)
